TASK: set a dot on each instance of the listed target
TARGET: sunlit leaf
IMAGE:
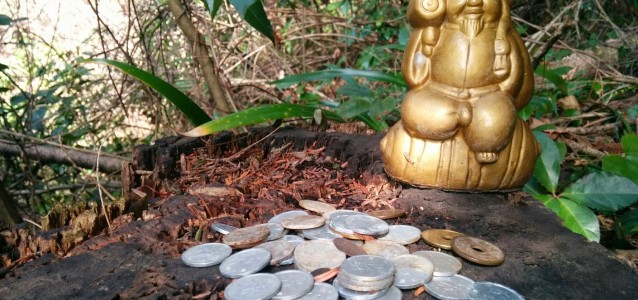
(578, 218)
(258, 115)
(603, 191)
(547, 167)
(212, 6)
(252, 11)
(329, 74)
(628, 222)
(192, 111)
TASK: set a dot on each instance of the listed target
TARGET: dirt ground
(140, 256)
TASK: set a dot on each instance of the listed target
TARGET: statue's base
(451, 165)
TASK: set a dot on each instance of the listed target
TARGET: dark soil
(189, 189)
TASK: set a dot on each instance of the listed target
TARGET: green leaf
(212, 6)
(547, 167)
(329, 74)
(628, 222)
(258, 115)
(5, 20)
(353, 107)
(252, 11)
(603, 191)
(192, 111)
(554, 77)
(578, 219)
(632, 112)
(630, 144)
(3, 67)
(539, 193)
(619, 165)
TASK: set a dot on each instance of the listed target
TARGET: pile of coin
(367, 254)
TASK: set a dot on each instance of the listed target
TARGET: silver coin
(386, 249)
(245, 262)
(444, 264)
(276, 231)
(206, 255)
(367, 268)
(356, 295)
(364, 286)
(280, 250)
(222, 228)
(256, 286)
(303, 222)
(294, 284)
(449, 288)
(320, 233)
(402, 234)
(315, 254)
(393, 293)
(321, 291)
(409, 278)
(295, 240)
(484, 290)
(341, 212)
(288, 214)
(362, 224)
(412, 271)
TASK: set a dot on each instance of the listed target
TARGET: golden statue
(469, 73)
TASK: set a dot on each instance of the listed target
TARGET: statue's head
(473, 15)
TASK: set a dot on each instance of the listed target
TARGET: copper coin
(387, 213)
(316, 206)
(246, 237)
(324, 274)
(303, 222)
(440, 238)
(348, 247)
(478, 251)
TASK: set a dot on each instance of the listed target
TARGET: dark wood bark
(63, 155)
(9, 214)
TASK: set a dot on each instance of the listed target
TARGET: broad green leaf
(258, 115)
(329, 74)
(603, 191)
(252, 11)
(353, 107)
(579, 219)
(547, 167)
(554, 77)
(622, 166)
(539, 193)
(212, 6)
(372, 123)
(628, 222)
(630, 144)
(5, 20)
(192, 111)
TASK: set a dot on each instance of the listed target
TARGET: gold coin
(316, 206)
(387, 213)
(478, 251)
(246, 237)
(440, 238)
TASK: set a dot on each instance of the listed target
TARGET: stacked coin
(365, 273)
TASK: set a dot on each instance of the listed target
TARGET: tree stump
(140, 257)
